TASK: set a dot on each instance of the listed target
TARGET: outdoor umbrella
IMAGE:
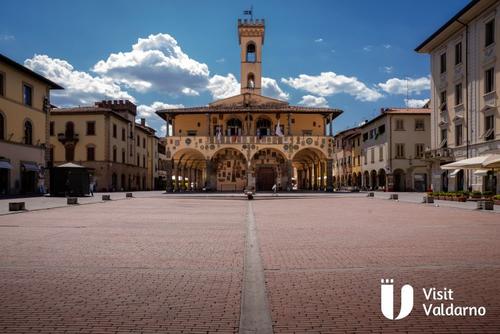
(493, 161)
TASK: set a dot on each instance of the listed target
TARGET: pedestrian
(91, 187)
(275, 190)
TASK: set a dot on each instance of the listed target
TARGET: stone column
(173, 126)
(289, 169)
(331, 125)
(168, 167)
(211, 175)
(167, 120)
(311, 180)
(177, 174)
(322, 175)
(329, 175)
(190, 178)
(208, 125)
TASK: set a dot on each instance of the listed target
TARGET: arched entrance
(366, 177)
(230, 170)
(270, 168)
(188, 166)
(382, 178)
(399, 180)
(373, 180)
(309, 169)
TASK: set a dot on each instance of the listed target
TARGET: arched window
(234, 127)
(251, 53)
(251, 81)
(28, 133)
(70, 130)
(2, 126)
(263, 127)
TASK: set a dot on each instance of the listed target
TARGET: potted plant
(487, 194)
(496, 199)
(476, 195)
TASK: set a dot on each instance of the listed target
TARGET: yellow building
(121, 154)
(465, 69)
(249, 141)
(346, 165)
(24, 101)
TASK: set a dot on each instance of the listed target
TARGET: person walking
(275, 190)
(91, 187)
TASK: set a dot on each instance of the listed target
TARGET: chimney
(143, 121)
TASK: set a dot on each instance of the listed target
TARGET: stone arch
(188, 165)
(229, 168)
(251, 52)
(399, 180)
(373, 179)
(270, 166)
(382, 177)
(309, 165)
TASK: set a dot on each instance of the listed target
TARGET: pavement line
(255, 316)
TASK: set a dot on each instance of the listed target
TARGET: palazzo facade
(249, 141)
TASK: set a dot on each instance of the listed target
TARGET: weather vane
(249, 12)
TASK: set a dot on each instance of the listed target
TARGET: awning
(5, 165)
(471, 163)
(30, 167)
(70, 165)
(481, 172)
(454, 173)
(493, 161)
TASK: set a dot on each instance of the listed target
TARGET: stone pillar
(177, 174)
(311, 181)
(169, 167)
(322, 175)
(173, 126)
(331, 125)
(167, 120)
(289, 170)
(329, 175)
(190, 179)
(211, 175)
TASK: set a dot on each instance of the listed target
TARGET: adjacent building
(465, 72)
(249, 141)
(386, 152)
(120, 153)
(24, 105)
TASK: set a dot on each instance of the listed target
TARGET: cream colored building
(249, 141)
(24, 101)
(393, 145)
(121, 154)
(465, 73)
(346, 161)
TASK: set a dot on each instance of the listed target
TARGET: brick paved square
(177, 265)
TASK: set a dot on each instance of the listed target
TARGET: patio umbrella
(493, 161)
(471, 163)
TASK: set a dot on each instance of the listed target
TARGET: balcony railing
(270, 140)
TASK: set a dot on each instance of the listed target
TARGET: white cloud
(415, 103)
(404, 86)
(80, 87)
(388, 69)
(223, 86)
(314, 101)
(330, 83)
(163, 130)
(318, 40)
(147, 111)
(367, 48)
(221, 60)
(156, 63)
(6, 37)
(387, 46)
(270, 88)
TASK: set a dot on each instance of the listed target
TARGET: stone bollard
(129, 195)
(17, 206)
(72, 200)
(106, 197)
(370, 194)
(393, 196)
(428, 199)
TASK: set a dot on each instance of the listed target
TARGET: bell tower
(251, 38)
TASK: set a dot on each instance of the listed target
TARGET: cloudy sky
(354, 55)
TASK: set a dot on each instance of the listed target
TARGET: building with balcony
(465, 122)
(24, 104)
(120, 153)
(249, 141)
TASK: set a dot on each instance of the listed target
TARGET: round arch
(189, 167)
(228, 170)
(309, 166)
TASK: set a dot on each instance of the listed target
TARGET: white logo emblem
(387, 299)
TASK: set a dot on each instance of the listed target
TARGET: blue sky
(354, 55)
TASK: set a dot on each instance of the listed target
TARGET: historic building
(346, 162)
(121, 154)
(24, 104)
(249, 141)
(465, 65)
(393, 144)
